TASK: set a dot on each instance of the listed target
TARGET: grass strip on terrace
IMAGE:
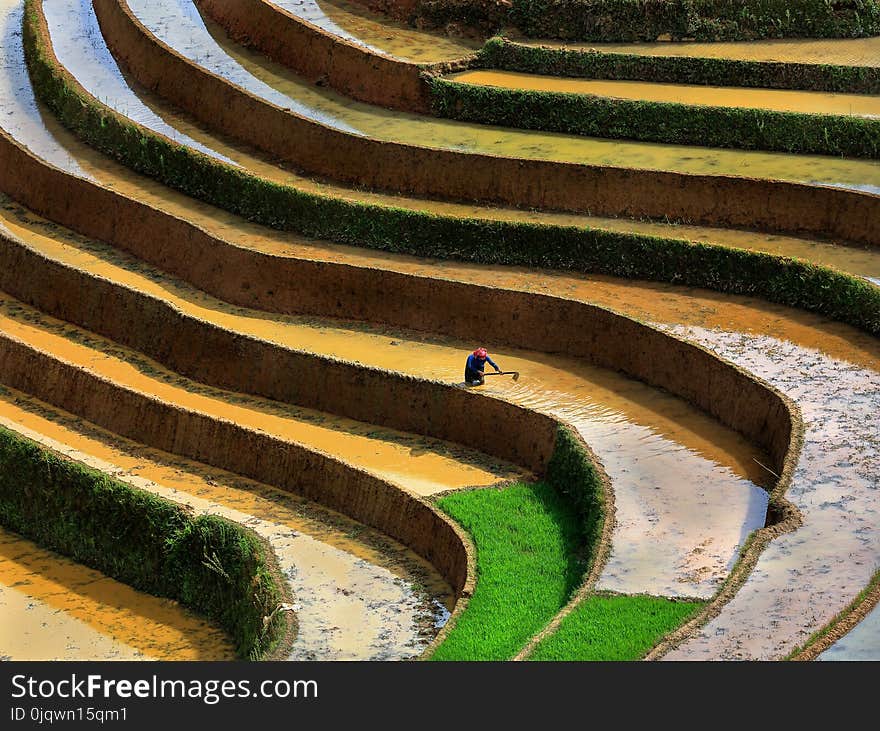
(650, 120)
(529, 545)
(648, 20)
(786, 281)
(614, 628)
(500, 53)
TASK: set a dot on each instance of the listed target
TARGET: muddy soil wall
(403, 10)
(296, 286)
(224, 444)
(325, 152)
(644, 20)
(316, 54)
(219, 357)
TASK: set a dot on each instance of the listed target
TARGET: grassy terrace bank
(654, 121)
(648, 20)
(785, 281)
(534, 544)
(500, 53)
(210, 565)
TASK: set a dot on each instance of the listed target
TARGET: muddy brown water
(842, 51)
(421, 465)
(355, 24)
(357, 594)
(807, 102)
(814, 340)
(177, 23)
(647, 440)
(52, 608)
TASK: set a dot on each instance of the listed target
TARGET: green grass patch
(529, 561)
(614, 628)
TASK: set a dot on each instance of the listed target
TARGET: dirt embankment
(403, 10)
(329, 153)
(225, 359)
(208, 353)
(322, 57)
(295, 286)
(229, 446)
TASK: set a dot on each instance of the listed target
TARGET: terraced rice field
(246, 248)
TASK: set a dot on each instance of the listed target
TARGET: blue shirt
(475, 364)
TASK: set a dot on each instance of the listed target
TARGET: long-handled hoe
(515, 374)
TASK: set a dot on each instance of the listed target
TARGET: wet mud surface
(355, 24)
(357, 594)
(52, 608)
(176, 22)
(803, 579)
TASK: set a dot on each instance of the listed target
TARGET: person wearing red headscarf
(474, 369)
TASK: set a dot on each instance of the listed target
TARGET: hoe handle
(515, 374)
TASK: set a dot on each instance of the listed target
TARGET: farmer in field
(474, 369)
